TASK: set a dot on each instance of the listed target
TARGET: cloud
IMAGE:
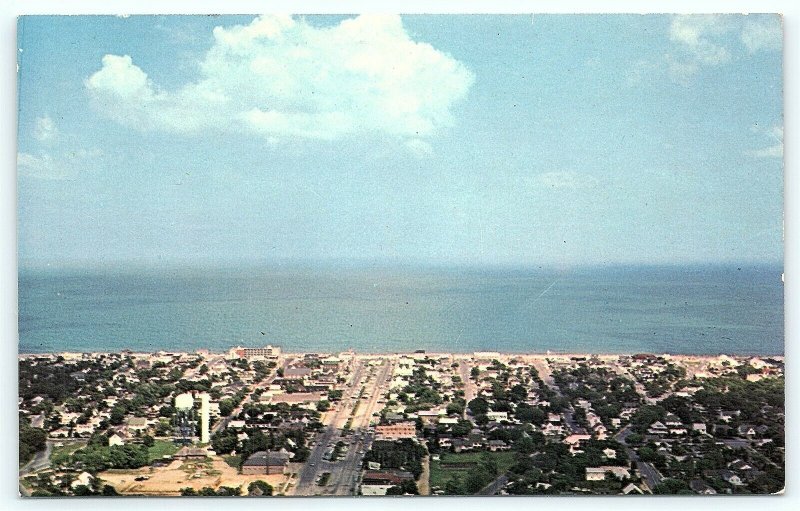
(773, 151)
(710, 40)
(419, 147)
(67, 166)
(279, 77)
(697, 39)
(563, 180)
(45, 129)
(763, 33)
(699, 34)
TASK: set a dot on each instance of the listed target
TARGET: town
(260, 422)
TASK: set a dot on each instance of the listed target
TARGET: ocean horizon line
(388, 265)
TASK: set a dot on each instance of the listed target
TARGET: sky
(557, 140)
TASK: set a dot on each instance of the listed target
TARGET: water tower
(205, 412)
(184, 421)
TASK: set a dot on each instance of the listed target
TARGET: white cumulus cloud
(763, 33)
(709, 40)
(279, 77)
(66, 166)
(45, 129)
(775, 150)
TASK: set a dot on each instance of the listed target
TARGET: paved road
(495, 486)
(40, 461)
(623, 371)
(346, 473)
(568, 415)
(650, 475)
(569, 419)
(470, 388)
(546, 374)
(316, 465)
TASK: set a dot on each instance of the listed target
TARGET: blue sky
(501, 140)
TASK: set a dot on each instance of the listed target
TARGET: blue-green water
(703, 310)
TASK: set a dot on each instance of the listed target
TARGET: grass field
(440, 476)
(160, 449)
(66, 449)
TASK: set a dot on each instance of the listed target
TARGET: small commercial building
(190, 453)
(396, 431)
(266, 462)
(377, 482)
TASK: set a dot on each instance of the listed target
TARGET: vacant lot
(66, 448)
(441, 473)
(160, 449)
(169, 480)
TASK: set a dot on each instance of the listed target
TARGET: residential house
(83, 479)
(658, 428)
(599, 473)
(701, 487)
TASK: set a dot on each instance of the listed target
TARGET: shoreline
(677, 355)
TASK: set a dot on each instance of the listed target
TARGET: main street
(313, 467)
(344, 473)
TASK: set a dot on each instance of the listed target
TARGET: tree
(259, 489)
(148, 441)
(226, 407)
(647, 415)
(225, 441)
(109, 491)
(478, 406)
(533, 415)
(53, 421)
(476, 479)
(453, 486)
(82, 491)
(456, 407)
(518, 393)
(461, 428)
(117, 415)
(405, 488)
(31, 440)
(672, 487)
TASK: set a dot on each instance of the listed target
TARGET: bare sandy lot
(179, 474)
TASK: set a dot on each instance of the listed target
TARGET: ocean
(697, 310)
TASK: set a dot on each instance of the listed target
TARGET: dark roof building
(266, 462)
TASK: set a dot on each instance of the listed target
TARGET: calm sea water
(704, 310)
